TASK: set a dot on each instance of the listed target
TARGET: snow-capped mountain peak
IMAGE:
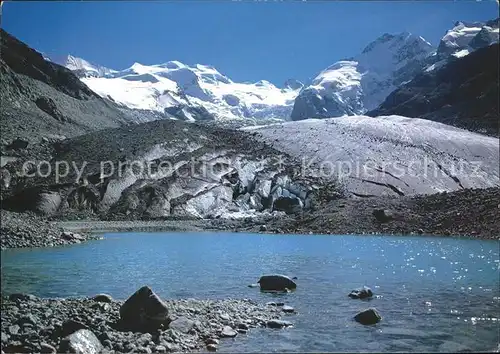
(172, 86)
(82, 67)
(466, 37)
(361, 83)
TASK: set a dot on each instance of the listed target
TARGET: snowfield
(174, 84)
(390, 155)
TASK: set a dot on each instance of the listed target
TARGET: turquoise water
(435, 294)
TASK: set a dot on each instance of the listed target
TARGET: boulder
(368, 317)
(182, 324)
(288, 309)
(22, 297)
(18, 144)
(72, 236)
(71, 326)
(103, 298)
(289, 205)
(278, 323)
(382, 215)
(5, 178)
(48, 105)
(228, 332)
(211, 347)
(143, 310)
(47, 348)
(362, 293)
(276, 282)
(81, 342)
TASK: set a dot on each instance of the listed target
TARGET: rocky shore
(35, 325)
(469, 212)
(21, 230)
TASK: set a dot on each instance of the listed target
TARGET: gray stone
(228, 332)
(14, 329)
(81, 342)
(47, 348)
(71, 326)
(160, 349)
(182, 324)
(288, 309)
(382, 215)
(22, 297)
(276, 282)
(212, 341)
(278, 323)
(368, 317)
(103, 298)
(362, 293)
(212, 348)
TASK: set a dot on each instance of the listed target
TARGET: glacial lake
(434, 294)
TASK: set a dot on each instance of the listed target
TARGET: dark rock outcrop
(464, 93)
(289, 205)
(276, 282)
(47, 105)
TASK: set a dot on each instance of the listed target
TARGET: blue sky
(246, 41)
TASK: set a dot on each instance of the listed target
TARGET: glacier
(388, 155)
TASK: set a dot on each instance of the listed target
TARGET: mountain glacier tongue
(356, 85)
(185, 91)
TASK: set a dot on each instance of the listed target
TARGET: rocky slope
(462, 93)
(40, 99)
(161, 169)
(389, 155)
(174, 87)
(470, 212)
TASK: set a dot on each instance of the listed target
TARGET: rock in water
(276, 282)
(288, 309)
(212, 348)
(278, 323)
(47, 348)
(144, 310)
(363, 293)
(368, 317)
(81, 342)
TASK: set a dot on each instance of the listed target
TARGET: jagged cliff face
(354, 86)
